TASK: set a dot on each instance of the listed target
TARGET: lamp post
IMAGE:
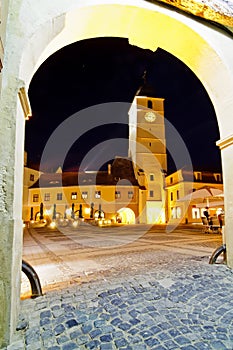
(92, 211)
(80, 213)
(72, 211)
(54, 212)
(41, 211)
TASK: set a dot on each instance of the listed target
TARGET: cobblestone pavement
(80, 255)
(182, 304)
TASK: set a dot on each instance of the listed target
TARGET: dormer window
(218, 177)
(198, 175)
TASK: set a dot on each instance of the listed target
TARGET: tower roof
(146, 89)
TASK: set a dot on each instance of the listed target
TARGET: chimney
(109, 169)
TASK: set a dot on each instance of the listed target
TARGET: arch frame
(33, 32)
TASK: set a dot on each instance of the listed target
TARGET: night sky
(102, 70)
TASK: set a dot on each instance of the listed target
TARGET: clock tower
(147, 149)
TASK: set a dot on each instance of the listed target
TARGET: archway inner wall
(36, 30)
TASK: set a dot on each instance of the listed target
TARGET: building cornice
(226, 142)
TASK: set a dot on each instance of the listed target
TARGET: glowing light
(87, 211)
(48, 212)
(68, 211)
(53, 224)
(75, 224)
(127, 216)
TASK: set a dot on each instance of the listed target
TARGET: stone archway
(36, 30)
(126, 215)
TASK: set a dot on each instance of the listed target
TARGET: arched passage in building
(41, 29)
(126, 216)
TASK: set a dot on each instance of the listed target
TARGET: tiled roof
(121, 173)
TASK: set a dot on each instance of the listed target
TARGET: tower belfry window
(149, 104)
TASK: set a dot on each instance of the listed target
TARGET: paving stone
(194, 312)
(59, 329)
(69, 346)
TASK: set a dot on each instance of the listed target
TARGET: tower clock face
(150, 117)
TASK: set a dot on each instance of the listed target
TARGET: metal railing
(33, 279)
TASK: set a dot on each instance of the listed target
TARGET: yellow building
(181, 207)
(147, 148)
(131, 191)
(110, 195)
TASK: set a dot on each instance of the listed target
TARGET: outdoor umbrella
(204, 192)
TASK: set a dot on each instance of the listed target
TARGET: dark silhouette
(206, 213)
(41, 211)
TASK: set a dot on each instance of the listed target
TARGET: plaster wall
(34, 30)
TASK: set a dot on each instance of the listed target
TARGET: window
(117, 194)
(198, 176)
(97, 194)
(59, 196)
(35, 198)
(151, 194)
(177, 194)
(32, 177)
(84, 195)
(47, 197)
(171, 180)
(152, 177)
(149, 104)
(173, 210)
(130, 194)
(195, 213)
(171, 196)
(176, 213)
(74, 195)
(218, 177)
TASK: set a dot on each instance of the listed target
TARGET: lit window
(152, 177)
(198, 176)
(151, 194)
(117, 194)
(97, 194)
(178, 212)
(130, 194)
(195, 213)
(173, 213)
(59, 196)
(218, 177)
(47, 197)
(84, 195)
(32, 177)
(74, 195)
(35, 198)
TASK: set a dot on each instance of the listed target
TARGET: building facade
(147, 148)
(181, 184)
(111, 195)
(130, 191)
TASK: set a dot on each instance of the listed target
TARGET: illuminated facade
(110, 192)
(147, 148)
(183, 182)
(131, 191)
